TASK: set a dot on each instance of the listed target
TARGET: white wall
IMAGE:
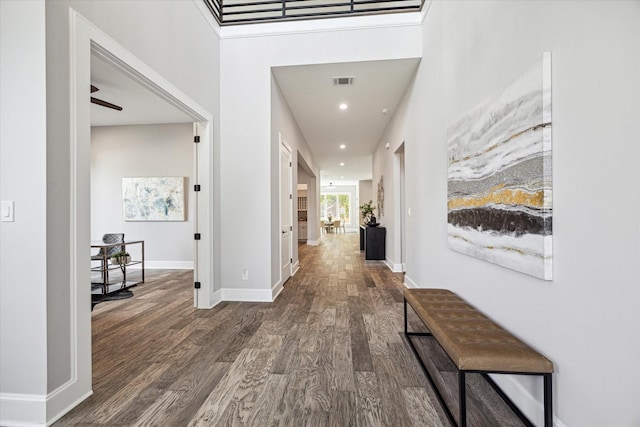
(385, 164)
(283, 125)
(247, 55)
(23, 255)
(365, 193)
(136, 151)
(586, 320)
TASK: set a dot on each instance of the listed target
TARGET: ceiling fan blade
(105, 104)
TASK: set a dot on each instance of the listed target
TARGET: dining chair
(336, 225)
(100, 256)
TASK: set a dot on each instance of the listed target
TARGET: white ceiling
(139, 104)
(314, 102)
(312, 97)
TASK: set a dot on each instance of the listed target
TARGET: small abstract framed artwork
(153, 198)
(499, 182)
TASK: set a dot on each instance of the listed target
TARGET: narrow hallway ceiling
(314, 101)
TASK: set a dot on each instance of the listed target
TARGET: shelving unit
(107, 285)
(302, 203)
(302, 218)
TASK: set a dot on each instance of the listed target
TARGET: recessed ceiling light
(342, 177)
(342, 146)
(343, 106)
(342, 164)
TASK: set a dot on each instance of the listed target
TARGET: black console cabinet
(374, 242)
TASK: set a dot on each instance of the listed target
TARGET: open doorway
(88, 40)
(142, 168)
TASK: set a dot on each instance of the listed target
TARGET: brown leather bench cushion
(471, 339)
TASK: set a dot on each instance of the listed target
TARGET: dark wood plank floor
(328, 352)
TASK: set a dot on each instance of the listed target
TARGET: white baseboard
(276, 289)
(396, 268)
(23, 409)
(216, 298)
(247, 295)
(57, 403)
(529, 405)
(166, 265)
(38, 410)
(409, 283)
(314, 242)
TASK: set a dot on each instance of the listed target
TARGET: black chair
(100, 256)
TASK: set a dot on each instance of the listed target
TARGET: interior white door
(286, 212)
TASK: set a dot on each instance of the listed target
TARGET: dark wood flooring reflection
(328, 352)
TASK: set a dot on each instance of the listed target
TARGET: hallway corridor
(328, 352)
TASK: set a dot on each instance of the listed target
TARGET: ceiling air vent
(343, 81)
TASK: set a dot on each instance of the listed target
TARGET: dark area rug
(114, 296)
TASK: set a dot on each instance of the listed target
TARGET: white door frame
(285, 197)
(399, 220)
(86, 38)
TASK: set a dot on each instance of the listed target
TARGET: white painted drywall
(141, 151)
(384, 165)
(586, 320)
(249, 151)
(284, 124)
(365, 194)
(23, 254)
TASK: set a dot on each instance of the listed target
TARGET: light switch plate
(7, 212)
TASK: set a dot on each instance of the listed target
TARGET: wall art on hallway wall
(153, 198)
(499, 186)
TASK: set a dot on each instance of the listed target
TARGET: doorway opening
(87, 41)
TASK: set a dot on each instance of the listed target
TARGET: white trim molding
(528, 404)
(167, 265)
(275, 290)
(396, 268)
(249, 295)
(409, 283)
(314, 242)
(22, 409)
(295, 267)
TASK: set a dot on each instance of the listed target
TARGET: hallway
(328, 352)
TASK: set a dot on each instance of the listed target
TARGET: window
(336, 205)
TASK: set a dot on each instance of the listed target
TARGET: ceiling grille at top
(343, 81)
(229, 12)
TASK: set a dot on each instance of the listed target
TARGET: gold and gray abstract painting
(499, 190)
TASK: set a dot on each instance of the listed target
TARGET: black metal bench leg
(462, 391)
(406, 329)
(548, 403)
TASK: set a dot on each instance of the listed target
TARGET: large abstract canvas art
(499, 176)
(153, 198)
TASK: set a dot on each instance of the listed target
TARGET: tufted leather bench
(474, 343)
